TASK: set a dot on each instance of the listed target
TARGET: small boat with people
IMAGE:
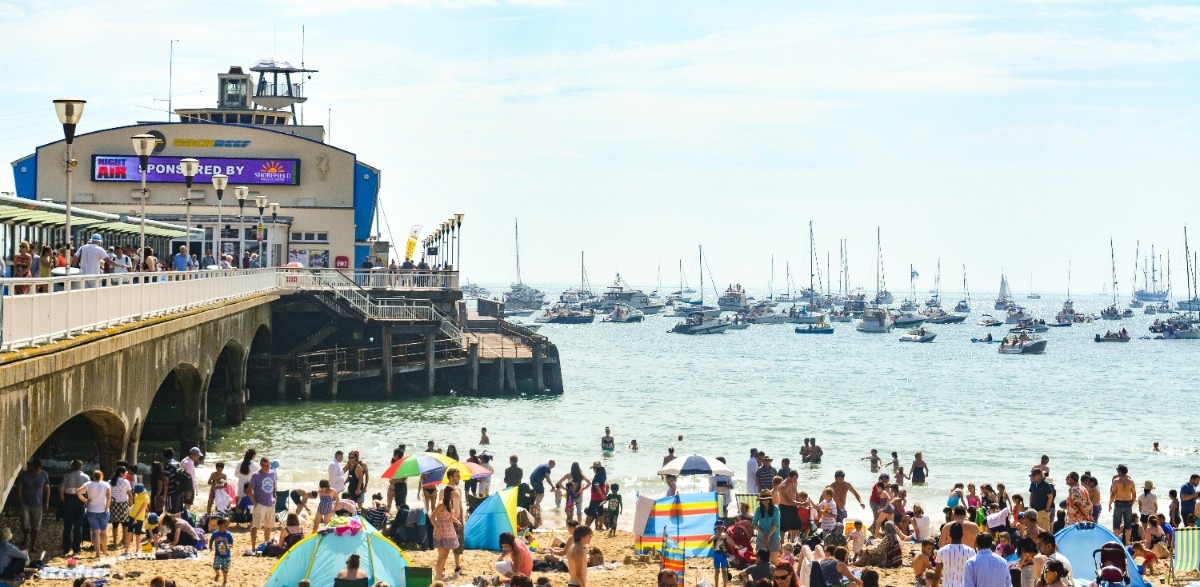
(623, 313)
(989, 320)
(1032, 324)
(805, 315)
(936, 315)
(564, 314)
(818, 328)
(1015, 315)
(918, 335)
(1022, 343)
(701, 324)
(734, 299)
(1121, 335)
(986, 339)
(903, 319)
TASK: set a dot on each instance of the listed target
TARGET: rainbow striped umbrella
(436, 464)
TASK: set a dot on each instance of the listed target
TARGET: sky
(1015, 137)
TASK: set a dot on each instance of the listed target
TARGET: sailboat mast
(966, 290)
(811, 256)
(771, 285)
(878, 262)
(827, 273)
(1113, 254)
(1068, 279)
(517, 237)
(701, 275)
(581, 277)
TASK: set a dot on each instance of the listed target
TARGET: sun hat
(1149, 484)
(765, 494)
(597, 465)
(139, 488)
(97, 238)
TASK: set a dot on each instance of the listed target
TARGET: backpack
(182, 481)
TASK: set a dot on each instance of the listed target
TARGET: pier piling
(473, 366)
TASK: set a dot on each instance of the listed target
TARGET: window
(310, 237)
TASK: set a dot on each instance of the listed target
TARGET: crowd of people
(795, 532)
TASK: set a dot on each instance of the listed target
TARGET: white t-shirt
(121, 490)
(242, 480)
(187, 464)
(922, 523)
(122, 263)
(91, 259)
(1147, 503)
(97, 494)
(953, 558)
(337, 477)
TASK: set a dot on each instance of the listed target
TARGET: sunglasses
(783, 576)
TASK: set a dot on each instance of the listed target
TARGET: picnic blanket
(75, 573)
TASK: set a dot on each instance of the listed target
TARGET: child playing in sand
(216, 485)
(612, 504)
(858, 538)
(221, 543)
(720, 555)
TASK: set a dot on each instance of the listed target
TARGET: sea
(976, 415)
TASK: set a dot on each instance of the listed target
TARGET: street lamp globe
(143, 145)
(69, 111)
(189, 167)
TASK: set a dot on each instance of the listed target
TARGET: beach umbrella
(695, 465)
(418, 464)
(467, 470)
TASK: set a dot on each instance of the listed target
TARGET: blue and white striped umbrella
(695, 465)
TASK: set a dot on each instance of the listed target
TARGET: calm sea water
(977, 416)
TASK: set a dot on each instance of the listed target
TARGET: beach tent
(1079, 542)
(641, 515)
(320, 556)
(687, 518)
(496, 514)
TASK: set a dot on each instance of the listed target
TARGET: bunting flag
(689, 518)
(673, 557)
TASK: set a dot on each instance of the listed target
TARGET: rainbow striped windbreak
(688, 519)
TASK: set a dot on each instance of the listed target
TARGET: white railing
(40, 311)
(406, 279)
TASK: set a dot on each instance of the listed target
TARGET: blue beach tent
(496, 514)
(319, 558)
(1079, 542)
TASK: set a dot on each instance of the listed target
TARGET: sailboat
(1004, 300)
(1149, 292)
(1112, 312)
(875, 318)
(1032, 295)
(582, 297)
(883, 297)
(786, 296)
(697, 322)
(809, 313)
(521, 300)
(1134, 301)
(964, 305)
(934, 314)
(909, 303)
(1066, 316)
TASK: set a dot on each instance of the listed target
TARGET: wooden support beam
(387, 362)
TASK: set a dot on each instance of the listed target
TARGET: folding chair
(1186, 556)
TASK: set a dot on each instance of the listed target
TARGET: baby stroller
(741, 546)
(1111, 567)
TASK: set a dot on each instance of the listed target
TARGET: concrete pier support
(387, 363)
(538, 382)
(281, 384)
(430, 363)
(306, 381)
(473, 368)
(333, 379)
(510, 376)
(499, 369)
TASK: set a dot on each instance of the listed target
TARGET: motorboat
(918, 335)
(842, 315)
(701, 324)
(624, 313)
(564, 314)
(985, 340)
(884, 297)
(936, 315)
(819, 328)
(1023, 343)
(1015, 315)
(1191, 305)
(1030, 324)
(738, 325)
(473, 291)
(988, 320)
(734, 299)
(804, 315)
(962, 307)
(620, 292)
(901, 319)
(875, 320)
(907, 305)
(1110, 336)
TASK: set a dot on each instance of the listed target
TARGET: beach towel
(72, 574)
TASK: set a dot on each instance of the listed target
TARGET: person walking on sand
(445, 532)
(1121, 496)
(577, 557)
(98, 496)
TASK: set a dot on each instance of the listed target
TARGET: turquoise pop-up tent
(496, 514)
(320, 557)
(1079, 542)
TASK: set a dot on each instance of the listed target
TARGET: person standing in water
(919, 471)
(607, 443)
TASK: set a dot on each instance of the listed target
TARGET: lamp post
(69, 111)
(143, 145)
(274, 217)
(189, 167)
(261, 201)
(220, 180)
(241, 192)
(458, 218)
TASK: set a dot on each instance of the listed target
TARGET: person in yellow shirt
(138, 508)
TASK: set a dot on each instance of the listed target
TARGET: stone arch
(260, 377)
(223, 394)
(175, 415)
(95, 436)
